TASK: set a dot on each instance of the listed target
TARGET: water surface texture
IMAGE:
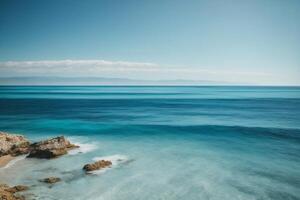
(214, 143)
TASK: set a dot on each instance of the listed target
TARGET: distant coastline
(50, 80)
(101, 81)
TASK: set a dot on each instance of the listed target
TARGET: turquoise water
(213, 143)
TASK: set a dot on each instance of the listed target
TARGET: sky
(222, 41)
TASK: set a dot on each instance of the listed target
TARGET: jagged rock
(51, 180)
(14, 145)
(8, 193)
(50, 148)
(97, 165)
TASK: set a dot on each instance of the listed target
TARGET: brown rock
(17, 188)
(51, 148)
(51, 180)
(8, 193)
(97, 165)
(11, 144)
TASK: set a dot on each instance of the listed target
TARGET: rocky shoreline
(10, 193)
(12, 145)
(4, 160)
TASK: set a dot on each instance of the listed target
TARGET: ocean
(166, 143)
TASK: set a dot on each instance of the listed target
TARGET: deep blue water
(178, 142)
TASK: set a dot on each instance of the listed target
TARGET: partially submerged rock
(97, 165)
(51, 148)
(14, 145)
(51, 180)
(8, 193)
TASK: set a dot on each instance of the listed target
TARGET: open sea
(166, 143)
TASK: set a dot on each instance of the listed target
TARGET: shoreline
(4, 160)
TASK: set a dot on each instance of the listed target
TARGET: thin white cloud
(79, 66)
(70, 67)
(60, 63)
(69, 64)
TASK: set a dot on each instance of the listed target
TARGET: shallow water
(213, 143)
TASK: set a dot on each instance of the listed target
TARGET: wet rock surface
(97, 165)
(51, 148)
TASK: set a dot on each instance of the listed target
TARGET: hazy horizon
(105, 81)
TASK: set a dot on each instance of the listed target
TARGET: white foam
(83, 147)
(14, 161)
(115, 159)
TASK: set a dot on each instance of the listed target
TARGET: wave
(116, 160)
(14, 161)
(212, 130)
(84, 147)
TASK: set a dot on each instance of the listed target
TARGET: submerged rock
(97, 165)
(51, 148)
(51, 180)
(14, 145)
(8, 193)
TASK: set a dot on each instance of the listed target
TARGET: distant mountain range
(100, 81)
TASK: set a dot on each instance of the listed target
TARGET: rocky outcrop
(9, 193)
(51, 180)
(50, 148)
(17, 188)
(97, 165)
(13, 145)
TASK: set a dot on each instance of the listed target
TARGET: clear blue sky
(254, 41)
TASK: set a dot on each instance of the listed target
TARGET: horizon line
(145, 85)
